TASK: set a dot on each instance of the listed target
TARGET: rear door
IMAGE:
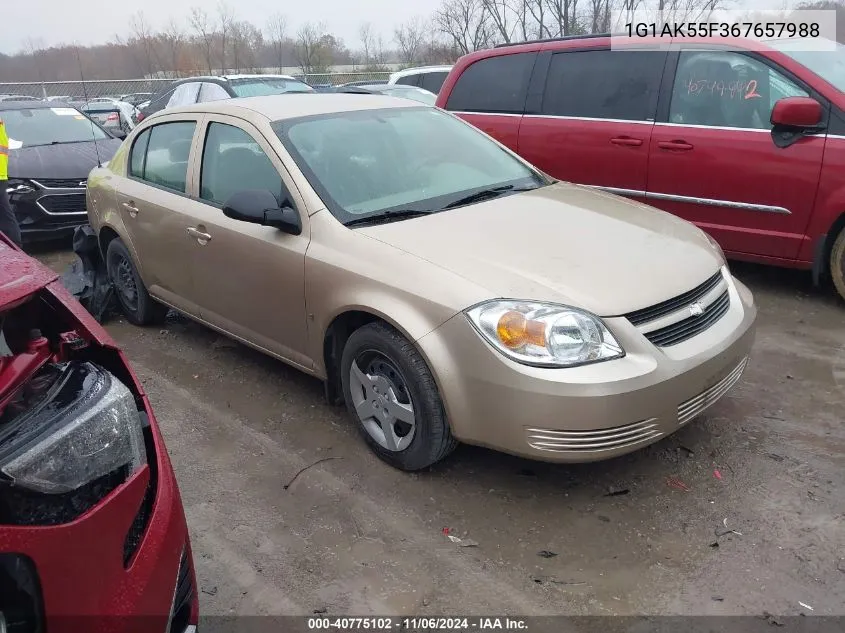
(593, 121)
(152, 199)
(491, 95)
(713, 160)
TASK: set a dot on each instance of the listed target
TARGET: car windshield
(45, 126)
(262, 87)
(827, 64)
(370, 162)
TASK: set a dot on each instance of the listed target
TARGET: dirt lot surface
(740, 512)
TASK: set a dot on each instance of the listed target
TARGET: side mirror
(259, 206)
(796, 112)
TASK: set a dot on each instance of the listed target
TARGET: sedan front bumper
(591, 412)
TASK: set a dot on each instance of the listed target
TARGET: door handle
(627, 141)
(131, 208)
(675, 145)
(200, 236)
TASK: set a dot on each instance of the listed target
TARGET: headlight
(86, 426)
(715, 245)
(544, 334)
(18, 187)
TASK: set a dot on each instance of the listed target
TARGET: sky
(84, 22)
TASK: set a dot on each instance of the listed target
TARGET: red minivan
(92, 529)
(746, 140)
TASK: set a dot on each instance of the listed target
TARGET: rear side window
(433, 81)
(184, 95)
(604, 84)
(409, 80)
(494, 84)
(139, 153)
(167, 152)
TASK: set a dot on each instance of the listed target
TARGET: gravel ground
(740, 512)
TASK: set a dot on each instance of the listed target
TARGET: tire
(137, 304)
(394, 378)
(837, 263)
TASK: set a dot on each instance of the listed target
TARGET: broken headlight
(16, 187)
(81, 426)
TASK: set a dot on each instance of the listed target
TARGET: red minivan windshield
(829, 65)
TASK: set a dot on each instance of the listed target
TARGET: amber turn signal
(515, 331)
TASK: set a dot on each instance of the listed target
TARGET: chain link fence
(83, 90)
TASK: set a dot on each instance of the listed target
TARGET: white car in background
(429, 78)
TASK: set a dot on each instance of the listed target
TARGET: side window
(212, 92)
(604, 84)
(433, 81)
(139, 153)
(168, 150)
(494, 84)
(186, 94)
(727, 89)
(409, 80)
(233, 161)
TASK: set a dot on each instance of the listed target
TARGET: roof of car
(421, 69)
(29, 105)
(276, 107)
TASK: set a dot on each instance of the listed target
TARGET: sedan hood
(565, 244)
(65, 161)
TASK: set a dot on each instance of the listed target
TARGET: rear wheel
(837, 263)
(137, 304)
(391, 393)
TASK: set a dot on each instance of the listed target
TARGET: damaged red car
(92, 530)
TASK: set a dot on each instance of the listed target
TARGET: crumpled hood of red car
(20, 275)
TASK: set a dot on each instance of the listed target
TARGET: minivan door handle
(627, 141)
(681, 146)
(131, 208)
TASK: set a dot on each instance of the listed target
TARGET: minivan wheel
(391, 393)
(837, 263)
(137, 304)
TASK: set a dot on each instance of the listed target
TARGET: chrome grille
(61, 183)
(694, 406)
(638, 317)
(689, 327)
(60, 204)
(594, 441)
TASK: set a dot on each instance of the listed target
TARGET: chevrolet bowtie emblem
(696, 309)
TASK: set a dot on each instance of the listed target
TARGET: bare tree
(502, 16)
(277, 27)
(365, 32)
(564, 14)
(598, 16)
(201, 23)
(308, 54)
(465, 24)
(226, 18)
(410, 37)
(143, 37)
(174, 38)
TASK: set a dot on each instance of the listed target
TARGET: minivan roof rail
(564, 38)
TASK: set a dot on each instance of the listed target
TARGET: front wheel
(391, 393)
(137, 304)
(837, 263)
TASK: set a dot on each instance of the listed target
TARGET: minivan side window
(727, 89)
(166, 159)
(604, 84)
(233, 161)
(493, 84)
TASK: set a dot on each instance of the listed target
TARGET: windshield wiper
(388, 216)
(486, 194)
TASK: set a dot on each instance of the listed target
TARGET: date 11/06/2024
(416, 624)
(723, 29)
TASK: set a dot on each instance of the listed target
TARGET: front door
(249, 280)
(596, 118)
(152, 201)
(714, 162)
